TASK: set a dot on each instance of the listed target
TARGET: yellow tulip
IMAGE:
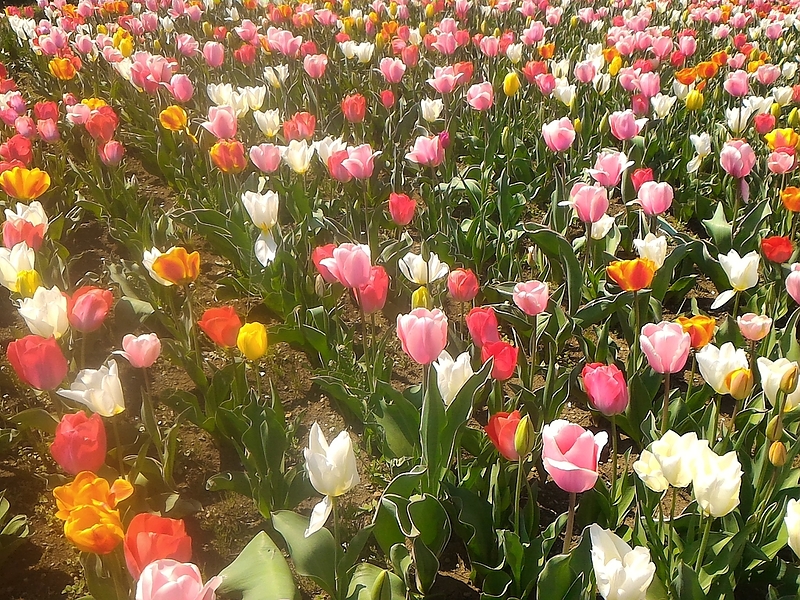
(24, 184)
(511, 83)
(89, 489)
(178, 266)
(94, 529)
(252, 340)
(27, 283)
(173, 118)
(694, 100)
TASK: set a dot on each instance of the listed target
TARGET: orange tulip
(700, 328)
(94, 529)
(546, 51)
(632, 275)
(228, 156)
(178, 266)
(790, 197)
(89, 489)
(707, 69)
(720, 58)
(24, 184)
(62, 68)
(173, 118)
(686, 76)
(782, 138)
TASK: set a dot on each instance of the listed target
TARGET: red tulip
(102, 123)
(372, 295)
(319, 253)
(505, 359)
(463, 285)
(777, 249)
(80, 443)
(501, 429)
(150, 538)
(354, 108)
(482, 325)
(222, 325)
(88, 308)
(641, 176)
(401, 208)
(38, 361)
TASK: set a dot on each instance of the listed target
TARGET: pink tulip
(401, 208)
(571, 454)
(654, 197)
(423, 334)
(609, 166)
(25, 126)
(372, 295)
(480, 96)
(267, 157)
(559, 135)
(336, 166)
(214, 53)
(360, 161)
(181, 88)
(186, 44)
(315, 65)
(444, 79)
(531, 297)
(427, 151)
(780, 162)
(666, 346)
(767, 74)
(141, 351)
(589, 201)
(546, 82)
(111, 153)
(737, 84)
(754, 327)
(793, 282)
(462, 284)
(489, 45)
(445, 43)
(650, 84)
(350, 265)
(624, 125)
(392, 69)
(737, 158)
(48, 130)
(221, 122)
(605, 385)
(167, 579)
(585, 71)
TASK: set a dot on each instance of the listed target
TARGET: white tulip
(327, 147)
(332, 471)
(148, 258)
(265, 249)
(702, 148)
(783, 95)
(560, 69)
(269, 121)
(789, 69)
(431, 109)
(33, 213)
(262, 208)
(759, 105)
(601, 83)
(451, 375)
(416, 269)
(792, 522)
(717, 363)
(716, 481)
(662, 104)
(652, 247)
(99, 389)
(601, 227)
(675, 454)
(253, 96)
(298, 155)
(681, 90)
(622, 572)
(13, 262)
(737, 118)
(649, 471)
(348, 48)
(276, 76)
(514, 53)
(46, 312)
(364, 52)
(564, 92)
(742, 272)
(772, 372)
(220, 94)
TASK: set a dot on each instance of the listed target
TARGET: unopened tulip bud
(774, 429)
(694, 100)
(777, 454)
(207, 29)
(573, 22)
(421, 298)
(345, 6)
(523, 438)
(740, 383)
(506, 139)
(252, 340)
(577, 126)
(511, 83)
(423, 29)
(429, 10)
(27, 283)
(484, 27)
(319, 286)
(789, 380)
(794, 118)
(775, 110)
(157, 46)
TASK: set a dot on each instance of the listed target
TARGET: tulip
(79, 443)
(99, 389)
(632, 275)
(793, 282)
(150, 538)
(88, 307)
(655, 198)
(350, 265)
(228, 156)
(262, 208)
(221, 325)
(317, 255)
(266, 157)
(38, 362)
(372, 295)
(480, 96)
(111, 153)
(716, 481)
(451, 375)
(14, 262)
(790, 197)
(754, 327)
(45, 312)
(641, 176)
(531, 297)
(571, 455)
(505, 358)
(427, 151)
(93, 529)
(559, 135)
(773, 374)
(605, 385)
(737, 83)
(649, 471)
(431, 110)
(423, 334)
(737, 158)
(482, 325)
(717, 363)
(214, 54)
(354, 108)
(501, 430)
(777, 249)
(360, 161)
(401, 208)
(462, 284)
(173, 118)
(742, 272)
(148, 258)
(221, 122)
(331, 470)
(511, 83)
(653, 248)
(700, 329)
(392, 69)
(28, 224)
(666, 346)
(792, 522)
(177, 266)
(171, 580)
(315, 65)
(252, 340)
(269, 121)
(387, 98)
(420, 271)
(89, 489)
(675, 454)
(624, 125)
(142, 351)
(24, 184)
(589, 201)
(622, 573)
(609, 167)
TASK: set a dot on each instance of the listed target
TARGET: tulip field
(485, 299)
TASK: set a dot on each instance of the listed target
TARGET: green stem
(573, 497)
(148, 400)
(671, 530)
(517, 494)
(613, 457)
(337, 538)
(118, 445)
(691, 377)
(534, 347)
(736, 305)
(637, 330)
(703, 544)
(713, 437)
(665, 409)
(83, 350)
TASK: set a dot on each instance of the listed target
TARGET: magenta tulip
(214, 53)
(570, 454)
(315, 65)
(392, 69)
(423, 334)
(737, 84)
(605, 385)
(360, 161)
(666, 346)
(427, 151)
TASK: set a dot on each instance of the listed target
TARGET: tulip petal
(319, 515)
(723, 299)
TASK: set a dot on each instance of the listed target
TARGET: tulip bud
(573, 22)
(319, 286)
(429, 11)
(694, 100)
(157, 46)
(794, 118)
(380, 40)
(511, 83)
(423, 29)
(577, 126)
(421, 298)
(484, 26)
(774, 429)
(523, 438)
(27, 283)
(207, 29)
(775, 110)
(497, 33)
(789, 380)
(506, 140)
(346, 6)
(777, 454)
(740, 383)
(102, 29)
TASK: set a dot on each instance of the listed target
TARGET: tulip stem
(83, 350)
(713, 438)
(587, 249)
(517, 494)
(671, 530)
(637, 329)
(120, 458)
(691, 377)
(148, 406)
(735, 305)
(613, 457)
(665, 409)
(337, 538)
(573, 497)
(703, 544)
(118, 577)
(534, 348)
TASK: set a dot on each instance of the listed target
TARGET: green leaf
(368, 582)
(313, 556)
(719, 229)
(35, 418)
(259, 572)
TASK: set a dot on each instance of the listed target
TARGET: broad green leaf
(259, 572)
